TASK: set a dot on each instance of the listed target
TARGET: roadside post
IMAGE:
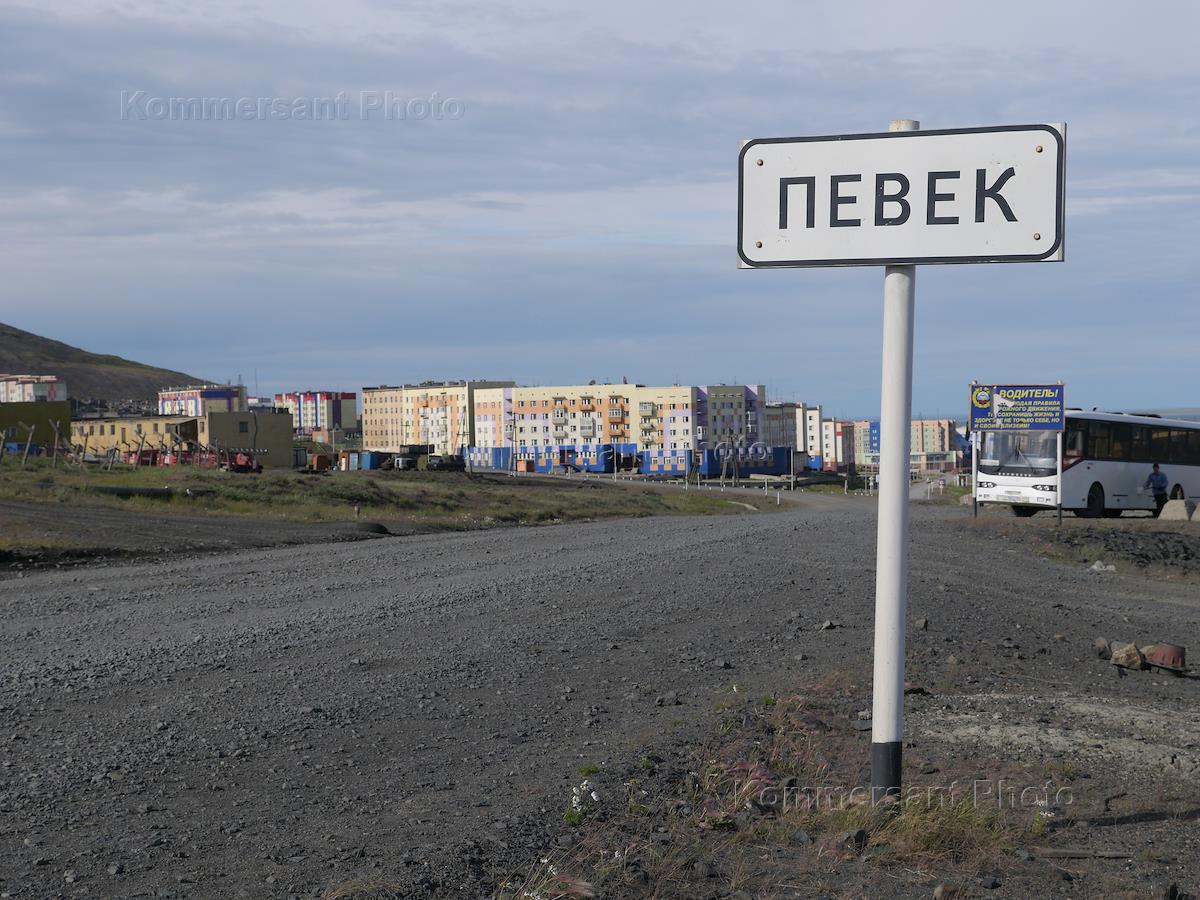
(974, 474)
(1058, 482)
(900, 199)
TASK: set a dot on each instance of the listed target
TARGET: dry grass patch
(364, 889)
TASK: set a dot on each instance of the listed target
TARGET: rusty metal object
(1169, 657)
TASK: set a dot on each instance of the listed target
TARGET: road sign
(958, 195)
(897, 199)
(873, 437)
(1017, 407)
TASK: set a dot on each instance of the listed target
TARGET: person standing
(1157, 482)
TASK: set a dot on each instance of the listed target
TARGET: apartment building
(201, 399)
(433, 413)
(812, 433)
(320, 410)
(934, 445)
(535, 417)
(734, 414)
(795, 425)
(635, 416)
(32, 389)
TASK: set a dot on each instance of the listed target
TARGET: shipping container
(373, 459)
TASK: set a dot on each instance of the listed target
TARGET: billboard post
(974, 474)
(1059, 492)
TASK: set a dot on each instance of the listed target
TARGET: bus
(1106, 460)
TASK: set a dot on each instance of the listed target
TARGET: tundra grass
(450, 500)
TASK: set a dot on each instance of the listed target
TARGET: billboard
(1017, 407)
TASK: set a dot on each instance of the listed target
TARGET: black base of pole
(885, 770)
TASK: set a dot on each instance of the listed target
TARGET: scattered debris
(1099, 566)
(1168, 657)
(1100, 646)
(922, 624)
(1127, 656)
(827, 624)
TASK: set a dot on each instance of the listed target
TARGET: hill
(89, 376)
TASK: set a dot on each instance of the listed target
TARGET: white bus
(1106, 460)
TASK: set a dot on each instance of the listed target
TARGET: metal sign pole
(975, 474)
(891, 556)
(1058, 487)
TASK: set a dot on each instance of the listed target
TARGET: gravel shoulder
(58, 535)
(277, 722)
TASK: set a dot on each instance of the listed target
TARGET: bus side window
(1098, 440)
(1160, 444)
(1179, 447)
(1141, 443)
(1119, 443)
(1075, 438)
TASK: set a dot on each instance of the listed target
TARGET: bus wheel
(1177, 493)
(1095, 502)
(1024, 512)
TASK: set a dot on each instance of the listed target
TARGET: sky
(547, 192)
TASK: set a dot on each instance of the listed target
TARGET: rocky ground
(415, 712)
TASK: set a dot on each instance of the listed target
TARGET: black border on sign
(909, 260)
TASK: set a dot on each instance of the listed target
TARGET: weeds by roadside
(777, 798)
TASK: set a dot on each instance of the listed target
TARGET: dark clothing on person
(1157, 482)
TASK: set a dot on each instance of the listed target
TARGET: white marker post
(975, 442)
(900, 199)
(891, 551)
(1058, 484)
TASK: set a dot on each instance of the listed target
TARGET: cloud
(577, 219)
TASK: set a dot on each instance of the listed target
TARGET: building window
(244, 427)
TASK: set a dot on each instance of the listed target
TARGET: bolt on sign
(1017, 407)
(956, 195)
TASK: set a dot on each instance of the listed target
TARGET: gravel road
(102, 531)
(272, 723)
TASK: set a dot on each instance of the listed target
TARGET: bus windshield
(1019, 453)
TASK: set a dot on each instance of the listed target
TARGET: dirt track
(272, 723)
(87, 532)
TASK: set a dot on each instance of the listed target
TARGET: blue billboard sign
(873, 437)
(1017, 407)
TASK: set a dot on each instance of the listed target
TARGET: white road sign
(957, 195)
